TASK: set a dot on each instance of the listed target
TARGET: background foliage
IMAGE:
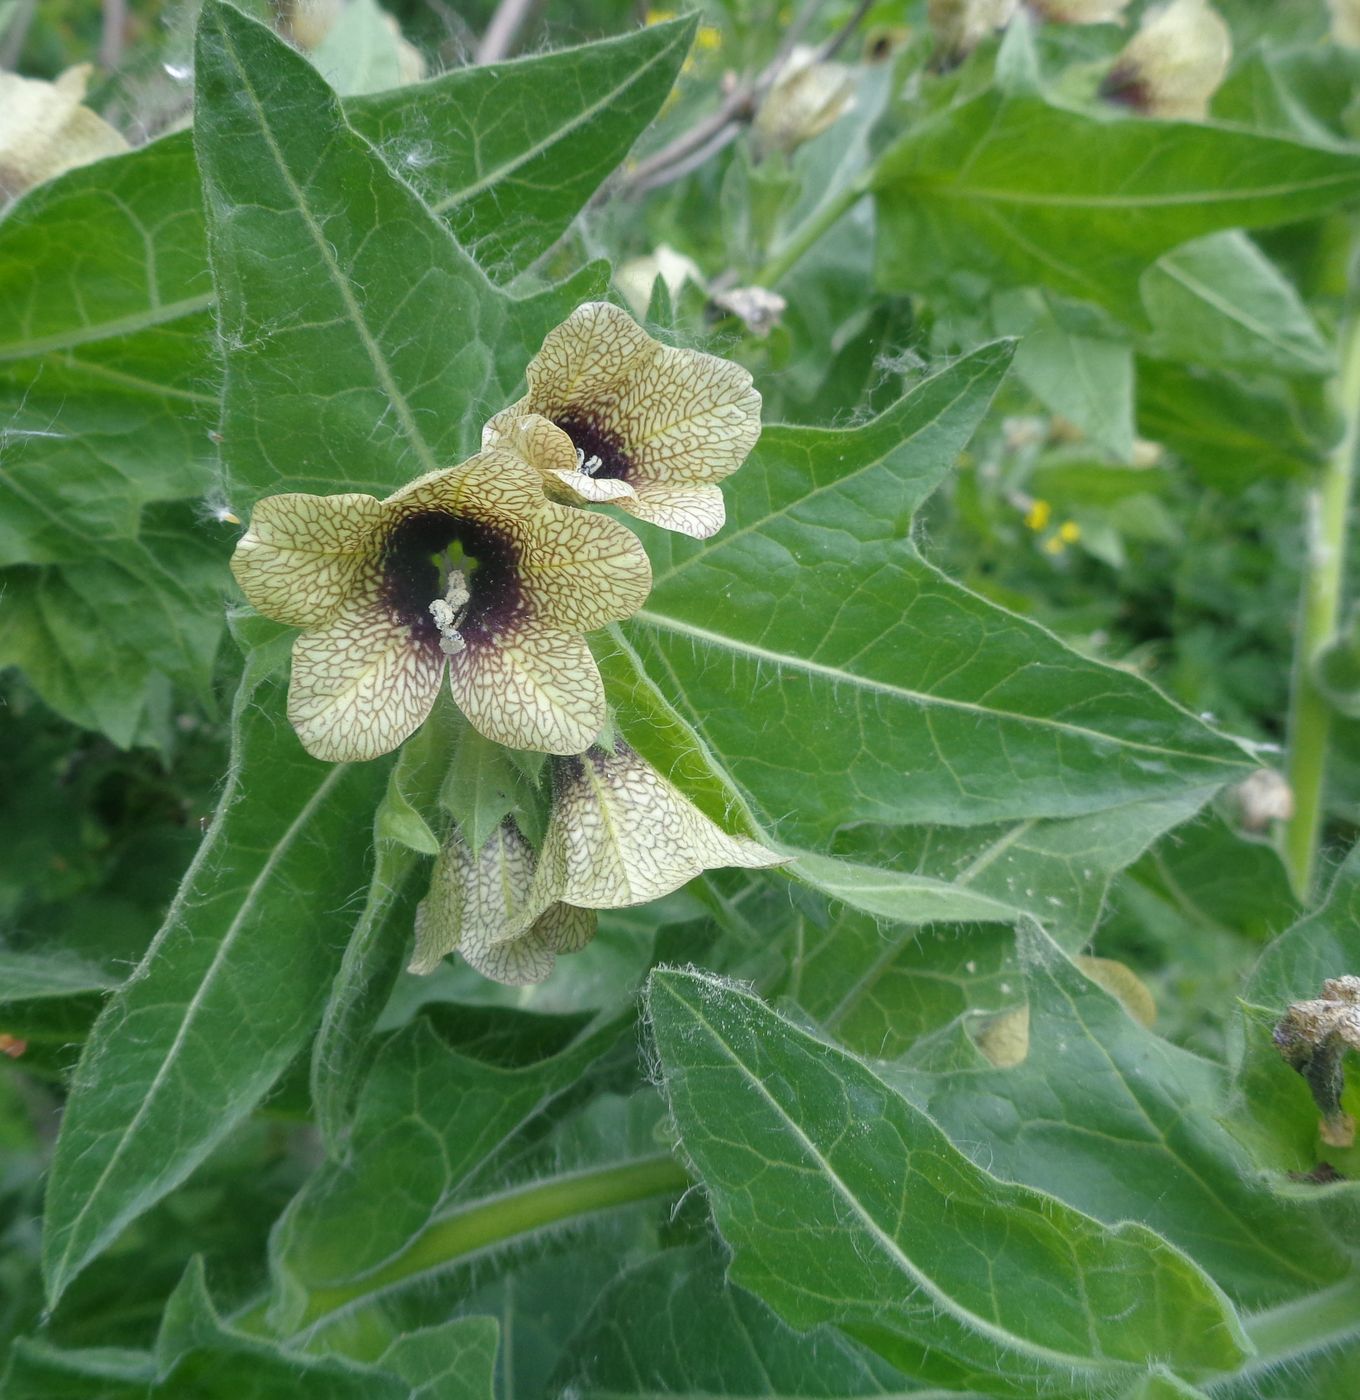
(978, 1095)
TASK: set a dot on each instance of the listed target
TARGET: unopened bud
(45, 129)
(1174, 64)
(636, 277)
(1345, 22)
(758, 307)
(805, 100)
(1262, 798)
(959, 26)
(1080, 11)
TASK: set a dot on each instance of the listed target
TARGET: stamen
(448, 613)
(587, 466)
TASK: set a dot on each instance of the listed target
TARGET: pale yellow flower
(620, 834)
(806, 99)
(651, 429)
(45, 129)
(959, 26)
(477, 907)
(470, 571)
(1175, 62)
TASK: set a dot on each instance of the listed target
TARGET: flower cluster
(489, 573)
(619, 834)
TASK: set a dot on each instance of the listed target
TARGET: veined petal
(565, 928)
(585, 571)
(496, 485)
(361, 684)
(553, 455)
(693, 417)
(579, 490)
(517, 962)
(620, 834)
(533, 688)
(439, 916)
(303, 555)
(697, 511)
(595, 347)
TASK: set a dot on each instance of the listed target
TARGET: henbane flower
(650, 429)
(477, 905)
(620, 834)
(470, 571)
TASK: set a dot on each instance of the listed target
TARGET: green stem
(810, 230)
(1310, 716)
(499, 1219)
(1301, 1327)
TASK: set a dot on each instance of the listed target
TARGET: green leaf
(229, 991)
(674, 1326)
(39, 1371)
(1220, 301)
(428, 1117)
(518, 148)
(1116, 1121)
(343, 371)
(874, 688)
(108, 385)
(452, 1361)
(894, 894)
(1272, 1111)
(1028, 194)
(1230, 432)
(199, 1355)
(1336, 668)
(1085, 377)
(1054, 871)
(29, 976)
(842, 1203)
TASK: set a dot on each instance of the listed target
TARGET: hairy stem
(1310, 716)
(1302, 1327)
(808, 232)
(484, 1224)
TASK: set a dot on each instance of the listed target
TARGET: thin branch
(111, 36)
(719, 129)
(503, 30)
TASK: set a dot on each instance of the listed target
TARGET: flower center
(454, 582)
(599, 452)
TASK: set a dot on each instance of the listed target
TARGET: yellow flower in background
(1069, 532)
(652, 430)
(1037, 517)
(470, 571)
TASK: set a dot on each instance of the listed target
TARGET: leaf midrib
(921, 698)
(582, 118)
(994, 1332)
(58, 1273)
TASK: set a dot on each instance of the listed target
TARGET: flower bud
(45, 129)
(1345, 22)
(1174, 64)
(1080, 11)
(805, 100)
(959, 26)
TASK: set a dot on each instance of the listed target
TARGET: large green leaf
(108, 384)
(1025, 193)
(840, 677)
(229, 991)
(842, 1203)
(675, 1326)
(429, 1117)
(1122, 1124)
(362, 345)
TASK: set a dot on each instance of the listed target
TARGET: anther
(448, 613)
(587, 466)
